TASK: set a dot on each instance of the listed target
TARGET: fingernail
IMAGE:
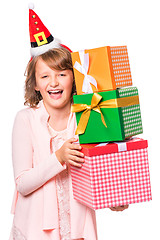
(79, 166)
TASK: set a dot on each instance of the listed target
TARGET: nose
(54, 80)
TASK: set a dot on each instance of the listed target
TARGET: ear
(36, 88)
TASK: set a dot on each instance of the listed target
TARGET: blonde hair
(56, 59)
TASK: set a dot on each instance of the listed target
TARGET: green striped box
(122, 122)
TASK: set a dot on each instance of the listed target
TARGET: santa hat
(40, 37)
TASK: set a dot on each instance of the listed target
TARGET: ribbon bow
(83, 68)
(96, 105)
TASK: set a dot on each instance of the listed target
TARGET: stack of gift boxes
(116, 170)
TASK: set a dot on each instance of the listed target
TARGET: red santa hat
(40, 37)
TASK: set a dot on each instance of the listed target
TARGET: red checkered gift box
(113, 174)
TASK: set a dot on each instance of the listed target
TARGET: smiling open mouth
(55, 92)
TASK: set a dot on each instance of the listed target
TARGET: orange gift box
(101, 69)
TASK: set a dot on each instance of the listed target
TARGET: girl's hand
(70, 153)
(119, 208)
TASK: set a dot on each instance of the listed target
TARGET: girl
(44, 147)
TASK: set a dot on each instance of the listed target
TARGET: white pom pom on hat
(31, 5)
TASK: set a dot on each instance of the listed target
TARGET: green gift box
(107, 116)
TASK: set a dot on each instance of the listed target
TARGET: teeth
(55, 91)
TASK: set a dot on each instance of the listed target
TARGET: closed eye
(45, 76)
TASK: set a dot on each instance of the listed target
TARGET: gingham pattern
(132, 114)
(128, 91)
(113, 179)
(121, 66)
(132, 120)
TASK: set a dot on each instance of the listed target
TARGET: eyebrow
(41, 73)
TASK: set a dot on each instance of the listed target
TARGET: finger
(122, 207)
(115, 208)
(76, 159)
(125, 207)
(119, 208)
(112, 208)
(77, 153)
(71, 140)
(75, 146)
(75, 164)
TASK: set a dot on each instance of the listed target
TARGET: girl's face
(55, 86)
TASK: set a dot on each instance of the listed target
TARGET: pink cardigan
(35, 167)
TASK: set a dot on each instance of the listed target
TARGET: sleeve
(29, 178)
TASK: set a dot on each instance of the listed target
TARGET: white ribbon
(122, 146)
(83, 68)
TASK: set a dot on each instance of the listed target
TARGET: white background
(87, 24)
